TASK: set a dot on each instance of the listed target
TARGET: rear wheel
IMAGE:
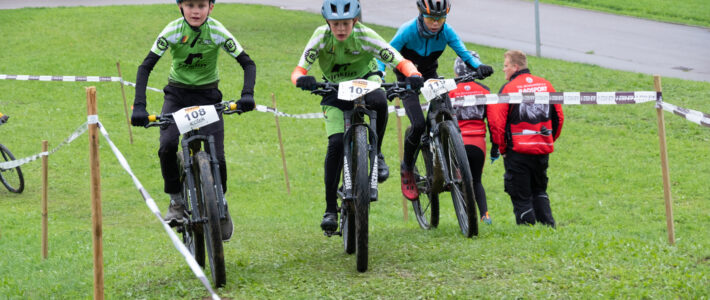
(192, 233)
(460, 173)
(426, 207)
(212, 228)
(12, 179)
(361, 182)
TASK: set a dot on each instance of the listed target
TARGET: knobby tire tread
(213, 232)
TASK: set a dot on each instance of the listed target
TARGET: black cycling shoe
(330, 222)
(383, 171)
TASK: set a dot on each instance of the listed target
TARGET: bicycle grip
(152, 118)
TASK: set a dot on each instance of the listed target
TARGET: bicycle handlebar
(225, 107)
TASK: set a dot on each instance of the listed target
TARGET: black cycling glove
(139, 116)
(246, 103)
(485, 70)
(415, 82)
(306, 83)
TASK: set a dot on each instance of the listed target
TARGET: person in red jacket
(525, 135)
(473, 130)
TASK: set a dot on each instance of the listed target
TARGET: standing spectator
(473, 131)
(525, 134)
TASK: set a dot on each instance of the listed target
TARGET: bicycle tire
(361, 184)
(347, 227)
(212, 230)
(193, 235)
(426, 208)
(8, 176)
(460, 172)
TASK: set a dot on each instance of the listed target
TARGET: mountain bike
(359, 166)
(443, 164)
(11, 178)
(201, 183)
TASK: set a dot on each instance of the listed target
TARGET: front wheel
(361, 181)
(462, 181)
(192, 234)
(12, 179)
(212, 229)
(426, 207)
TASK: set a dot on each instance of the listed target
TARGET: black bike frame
(440, 110)
(192, 143)
(353, 119)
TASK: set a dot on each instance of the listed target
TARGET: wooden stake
(125, 105)
(400, 141)
(95, 193)
(45, 188)
(281, 146)
(664, 165)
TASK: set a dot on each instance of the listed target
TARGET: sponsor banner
(598, 98)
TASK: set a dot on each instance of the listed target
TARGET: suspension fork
(353, 119)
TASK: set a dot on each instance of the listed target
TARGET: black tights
(476, 159)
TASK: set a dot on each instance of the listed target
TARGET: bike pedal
(176, 222)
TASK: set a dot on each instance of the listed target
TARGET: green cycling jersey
(350, 59)
(195, 52)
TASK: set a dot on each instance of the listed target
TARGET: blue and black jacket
(424, 52)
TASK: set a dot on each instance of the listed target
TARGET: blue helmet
(340, 9)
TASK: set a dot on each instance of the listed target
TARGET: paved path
(570, 34)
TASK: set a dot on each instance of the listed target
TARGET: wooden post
(400, 142)
(664, 164)
(95, 193)
(281, 146)
(45, 187)
(125, 105)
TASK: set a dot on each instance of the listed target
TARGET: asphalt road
(610, 41)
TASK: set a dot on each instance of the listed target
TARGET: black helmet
(434, 7)
(461, 68)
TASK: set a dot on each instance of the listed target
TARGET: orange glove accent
(297, 72)
(407, 68)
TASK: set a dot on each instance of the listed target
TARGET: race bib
(435, 87)
(353, 89)
(191, 118)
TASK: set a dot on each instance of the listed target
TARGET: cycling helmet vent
(434, 7)
(340, 9)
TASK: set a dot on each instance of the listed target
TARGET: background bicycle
(443, 164)
(11, 178)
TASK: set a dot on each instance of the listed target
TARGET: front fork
(354, 119)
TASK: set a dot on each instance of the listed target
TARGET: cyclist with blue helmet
(194, 41)
(346, 49)
(422, 40)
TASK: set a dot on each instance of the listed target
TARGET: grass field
(691, 12)
(605, 182)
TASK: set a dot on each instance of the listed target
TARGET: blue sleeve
(455, 43)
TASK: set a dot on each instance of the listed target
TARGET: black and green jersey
(195, 52)
(350, 59)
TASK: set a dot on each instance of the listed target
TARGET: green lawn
(605, 182)
(691, 12)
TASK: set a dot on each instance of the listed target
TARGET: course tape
(560, 98)
(60, 78)
(689, 114)
(154, 208)
(16, 163)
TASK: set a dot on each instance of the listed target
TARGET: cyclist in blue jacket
(423, 40)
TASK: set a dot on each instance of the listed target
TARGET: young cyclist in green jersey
(194, 41)
(346, 49)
